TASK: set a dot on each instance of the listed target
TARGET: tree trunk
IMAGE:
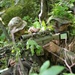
(44, 10)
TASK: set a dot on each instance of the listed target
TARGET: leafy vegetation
(61, 10)
(22, 10)
(6, 4)
(32, 45)
(12, 12)
(28, 10)
(47, 70)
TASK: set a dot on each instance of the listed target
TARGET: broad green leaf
(34, 74)
(44, 67)
(72, 1)
(68, 74)
(36, 24)
(54, 70)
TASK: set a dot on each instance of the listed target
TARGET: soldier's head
(59, 24)
(17, 27)
(18, 23)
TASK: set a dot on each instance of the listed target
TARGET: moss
(12, 12)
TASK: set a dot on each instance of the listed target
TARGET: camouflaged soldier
(16, 27)
(59, 24)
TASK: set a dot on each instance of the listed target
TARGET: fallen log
(63, 55)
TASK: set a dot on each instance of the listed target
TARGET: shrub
(12, 12)
(21, 10)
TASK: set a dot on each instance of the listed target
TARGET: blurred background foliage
(28, 8)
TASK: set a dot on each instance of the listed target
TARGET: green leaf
(73, 31)
(39, 50)
(26, 18)
(68, 74)
(32, 45)
(2, 37)
(37, 46)
(44, 67)
(36, 24)
(32, 49)
(50, 27)
(1, 42)
(54, 70)
(31, 42)
(72, 1)
(43, 25)
(27, 45)
(34, 74)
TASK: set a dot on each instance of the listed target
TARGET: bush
(6, 3)
(12, 12)
(21, 10)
